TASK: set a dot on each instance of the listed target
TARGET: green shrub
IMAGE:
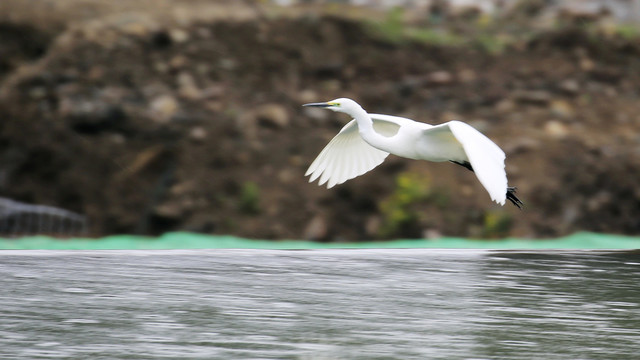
(249, 202)
(497, 224)
(399, 210)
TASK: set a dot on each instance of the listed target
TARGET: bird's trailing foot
(511, 196)
(511, 190)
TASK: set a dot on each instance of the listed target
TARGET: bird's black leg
(465, 164)
(511, 191)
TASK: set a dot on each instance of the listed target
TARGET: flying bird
(368, 139)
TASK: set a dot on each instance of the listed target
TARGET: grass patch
(492, 35)
(627, 31)
(394, 29)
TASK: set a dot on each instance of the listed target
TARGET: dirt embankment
(149, 126)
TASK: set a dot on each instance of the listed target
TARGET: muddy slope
(149, 127)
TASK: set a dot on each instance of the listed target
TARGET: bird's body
(368, 139)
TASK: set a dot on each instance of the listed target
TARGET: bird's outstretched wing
(486, 158)
(347, 155)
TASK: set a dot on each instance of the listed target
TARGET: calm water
(321, 304)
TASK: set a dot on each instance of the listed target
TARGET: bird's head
(340, 105)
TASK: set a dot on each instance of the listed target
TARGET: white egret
(368, 139)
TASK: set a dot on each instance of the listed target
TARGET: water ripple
(329, 304)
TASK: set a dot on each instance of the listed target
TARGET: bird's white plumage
(367, 140)
(486, 158)
(348, 155)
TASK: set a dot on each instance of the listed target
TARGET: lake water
(320, 304)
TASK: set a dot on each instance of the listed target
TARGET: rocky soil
(152, 122)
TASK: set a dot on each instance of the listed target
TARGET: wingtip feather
(345, 157)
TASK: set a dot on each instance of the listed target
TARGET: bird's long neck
(368, 133)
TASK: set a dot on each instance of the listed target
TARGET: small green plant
(249, 202)
(497, 224)
(398, 209)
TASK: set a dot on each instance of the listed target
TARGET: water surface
(319, 304)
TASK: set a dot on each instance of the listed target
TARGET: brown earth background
(155, 116)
